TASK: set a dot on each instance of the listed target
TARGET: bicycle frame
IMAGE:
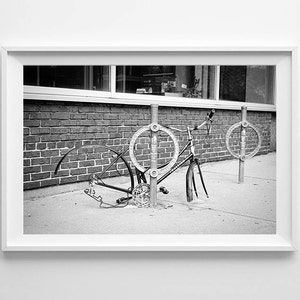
(97, 179)
(177, 166)
(190, 156)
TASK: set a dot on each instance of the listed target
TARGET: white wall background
(149, 275)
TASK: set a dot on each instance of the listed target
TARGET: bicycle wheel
(104, 166)
(116, 172)
(194, 181)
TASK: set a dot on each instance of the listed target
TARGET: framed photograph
(148, 149)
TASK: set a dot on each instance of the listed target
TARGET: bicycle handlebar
(208, 120)
(211, 114)
(197, 127)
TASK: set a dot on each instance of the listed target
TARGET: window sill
(60, 94)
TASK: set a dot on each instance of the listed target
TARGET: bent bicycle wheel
(194, 181)
(108, 169)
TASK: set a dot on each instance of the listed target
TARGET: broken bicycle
(140, 193)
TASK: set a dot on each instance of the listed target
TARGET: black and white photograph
(149, 149)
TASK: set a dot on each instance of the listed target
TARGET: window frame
(12, 92)
(112, 96)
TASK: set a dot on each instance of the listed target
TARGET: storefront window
(172, 81)
(253, 84)
(71, 77)
(247, 83)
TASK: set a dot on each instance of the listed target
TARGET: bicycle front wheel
(194, 181)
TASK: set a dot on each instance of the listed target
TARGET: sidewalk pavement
(232, 208)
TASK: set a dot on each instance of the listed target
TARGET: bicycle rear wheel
(194, 180)
(116, 174)
(103, 166)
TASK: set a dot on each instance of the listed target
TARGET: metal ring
(154, 127)
(245, 124)
(153, 173)
(229, 132)
(142, 130)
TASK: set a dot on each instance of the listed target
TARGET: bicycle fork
(190, 175)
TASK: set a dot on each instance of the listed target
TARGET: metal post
(153, 164)
(242, 145)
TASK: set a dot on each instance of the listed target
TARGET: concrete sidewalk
(248, 208)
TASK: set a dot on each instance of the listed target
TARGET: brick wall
(52, 128)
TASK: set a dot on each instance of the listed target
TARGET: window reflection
(172, 81)
(71, 77)
(247, 83)
(234, 83)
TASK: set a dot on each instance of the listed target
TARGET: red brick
(69, 165)
(110, 117)
(31, 139)
(97, 169)
(61, 144)
(60, 115)
(86, 109)
(55, 130)
(39, 115)
(43, 130)
(48, 167)
(39, 176)
(35, 169)
(49, 182)
(26, 162)
(85, 177)
(40, 161)
(69, 144)
(68, 179)
(78, 171)
(30, 154)
(31, 185)
(76, 157)
(26, 177)
(50, 137)
(33, 107)
(50, 123)
(30, 147)
(86, 163)
(46, 153)
(62, 173)
(78, 116)
(51, 145)
(31, 123)
(41, 146)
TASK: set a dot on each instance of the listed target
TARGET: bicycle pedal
(122, 200)
(163, 190)
(92, 194)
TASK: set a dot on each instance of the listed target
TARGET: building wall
(53, 128)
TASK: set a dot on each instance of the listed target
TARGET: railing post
(153, 163)
(242, 145)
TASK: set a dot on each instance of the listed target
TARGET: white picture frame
(14, 58)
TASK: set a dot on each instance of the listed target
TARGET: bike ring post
(242, 145)
(242, 156)
(145, 195)
(153, 160)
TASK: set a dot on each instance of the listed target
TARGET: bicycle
(140, 192)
